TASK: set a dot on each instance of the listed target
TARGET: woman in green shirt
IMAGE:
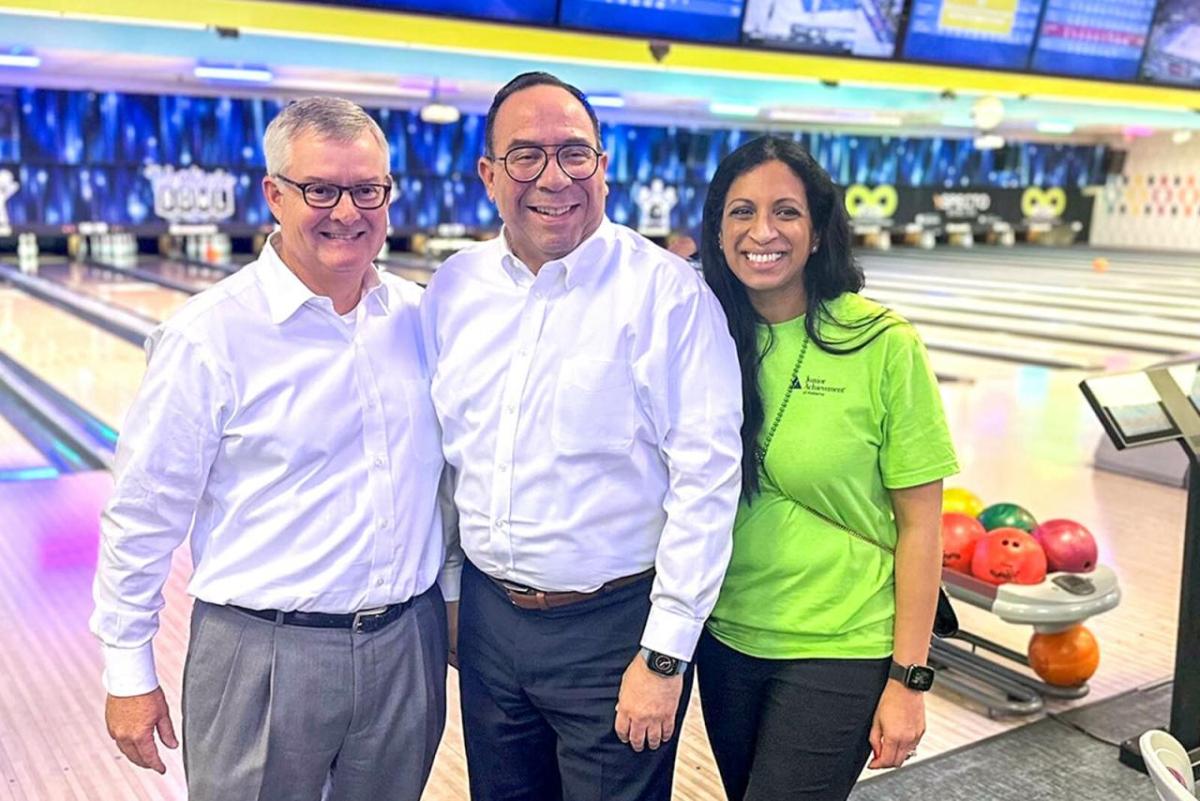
(804, 667)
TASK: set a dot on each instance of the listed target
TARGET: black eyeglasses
(321, 195)
(526, 163)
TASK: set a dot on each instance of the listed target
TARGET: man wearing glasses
(285, 423)
(590, 403)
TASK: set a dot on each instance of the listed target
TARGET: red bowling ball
(1008, 555)
(959, 533)
(1068, 545)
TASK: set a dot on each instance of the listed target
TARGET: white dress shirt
(298, 448)
(592, 414)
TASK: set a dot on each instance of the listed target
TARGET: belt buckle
(363, 616)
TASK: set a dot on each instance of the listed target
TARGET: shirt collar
(578, 265)
(286, 293)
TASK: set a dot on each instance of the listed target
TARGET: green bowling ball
(1007, 515)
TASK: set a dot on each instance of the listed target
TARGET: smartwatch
(662, 664)
(914, 677)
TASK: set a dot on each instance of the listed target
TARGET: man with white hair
(285, 423)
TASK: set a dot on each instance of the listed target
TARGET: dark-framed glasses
(322, 195)
(526, 163)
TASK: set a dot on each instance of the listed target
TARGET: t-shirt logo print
(818, 387)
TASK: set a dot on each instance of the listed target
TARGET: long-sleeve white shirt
(592, 414)
(298, 447)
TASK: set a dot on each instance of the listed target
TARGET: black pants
(539, 696)
(787, 728)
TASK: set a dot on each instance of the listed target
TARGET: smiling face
(767, 237)
(329, 247)
(549, 217)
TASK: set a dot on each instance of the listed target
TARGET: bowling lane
(1103, 339)
(16, 453)
(1081, 261)
(92, 367)
(937, 268)
(149, 300)
(1024, 350)
(1127, 321)
(1023, 298)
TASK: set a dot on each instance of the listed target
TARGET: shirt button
(524, 351)
(503, 468)
(378, 582)
(499, 524)
(510, 408)
(379, 461)
(384, 524)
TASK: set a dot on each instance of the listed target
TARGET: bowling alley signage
(872, 205)
(192, 195)
(891, 206)
(654, 208)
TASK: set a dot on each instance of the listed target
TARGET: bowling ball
(957, 499)
(1007, 515)
(1068, 546)
(959, 533)
(1100, 264)
(1065, 658)
(1008, 554)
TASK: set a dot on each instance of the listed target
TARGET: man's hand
(452, 631)
(132, 721)
(898, 726)
(646, 706)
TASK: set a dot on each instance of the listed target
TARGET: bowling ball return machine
(1162, 404)
(979, 671)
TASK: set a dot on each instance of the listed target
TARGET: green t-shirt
(859, 425)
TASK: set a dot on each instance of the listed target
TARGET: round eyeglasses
(321, 195)
(526, 163)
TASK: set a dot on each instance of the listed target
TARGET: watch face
(663, 664)
(920, 678)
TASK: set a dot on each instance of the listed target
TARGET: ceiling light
(733, 110)
(1052, 127)
(19, 60)
(244, 74)
(989, 142)
(606, 101)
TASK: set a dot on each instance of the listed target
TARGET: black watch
(914, 677)
(662, 664)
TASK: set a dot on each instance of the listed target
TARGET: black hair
(524, 81)
(829, 272)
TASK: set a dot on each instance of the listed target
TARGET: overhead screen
(978, 33)
(839, 27)
(539, 12)
(1173, 54)
(1093, 38)
(717, 21)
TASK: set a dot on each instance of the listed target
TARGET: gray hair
(327, 117)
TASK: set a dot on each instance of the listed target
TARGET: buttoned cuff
(671, 634)
(450, 581)
(129, 671)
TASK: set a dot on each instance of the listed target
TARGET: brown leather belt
(524, 597)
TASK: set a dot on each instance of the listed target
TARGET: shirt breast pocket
(594, 409)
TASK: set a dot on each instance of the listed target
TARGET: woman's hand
(898, 726)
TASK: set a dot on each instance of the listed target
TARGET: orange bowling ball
(1065, 658)
(1100, 264)
(961, 501)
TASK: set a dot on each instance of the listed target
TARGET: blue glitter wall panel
(83, 156)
